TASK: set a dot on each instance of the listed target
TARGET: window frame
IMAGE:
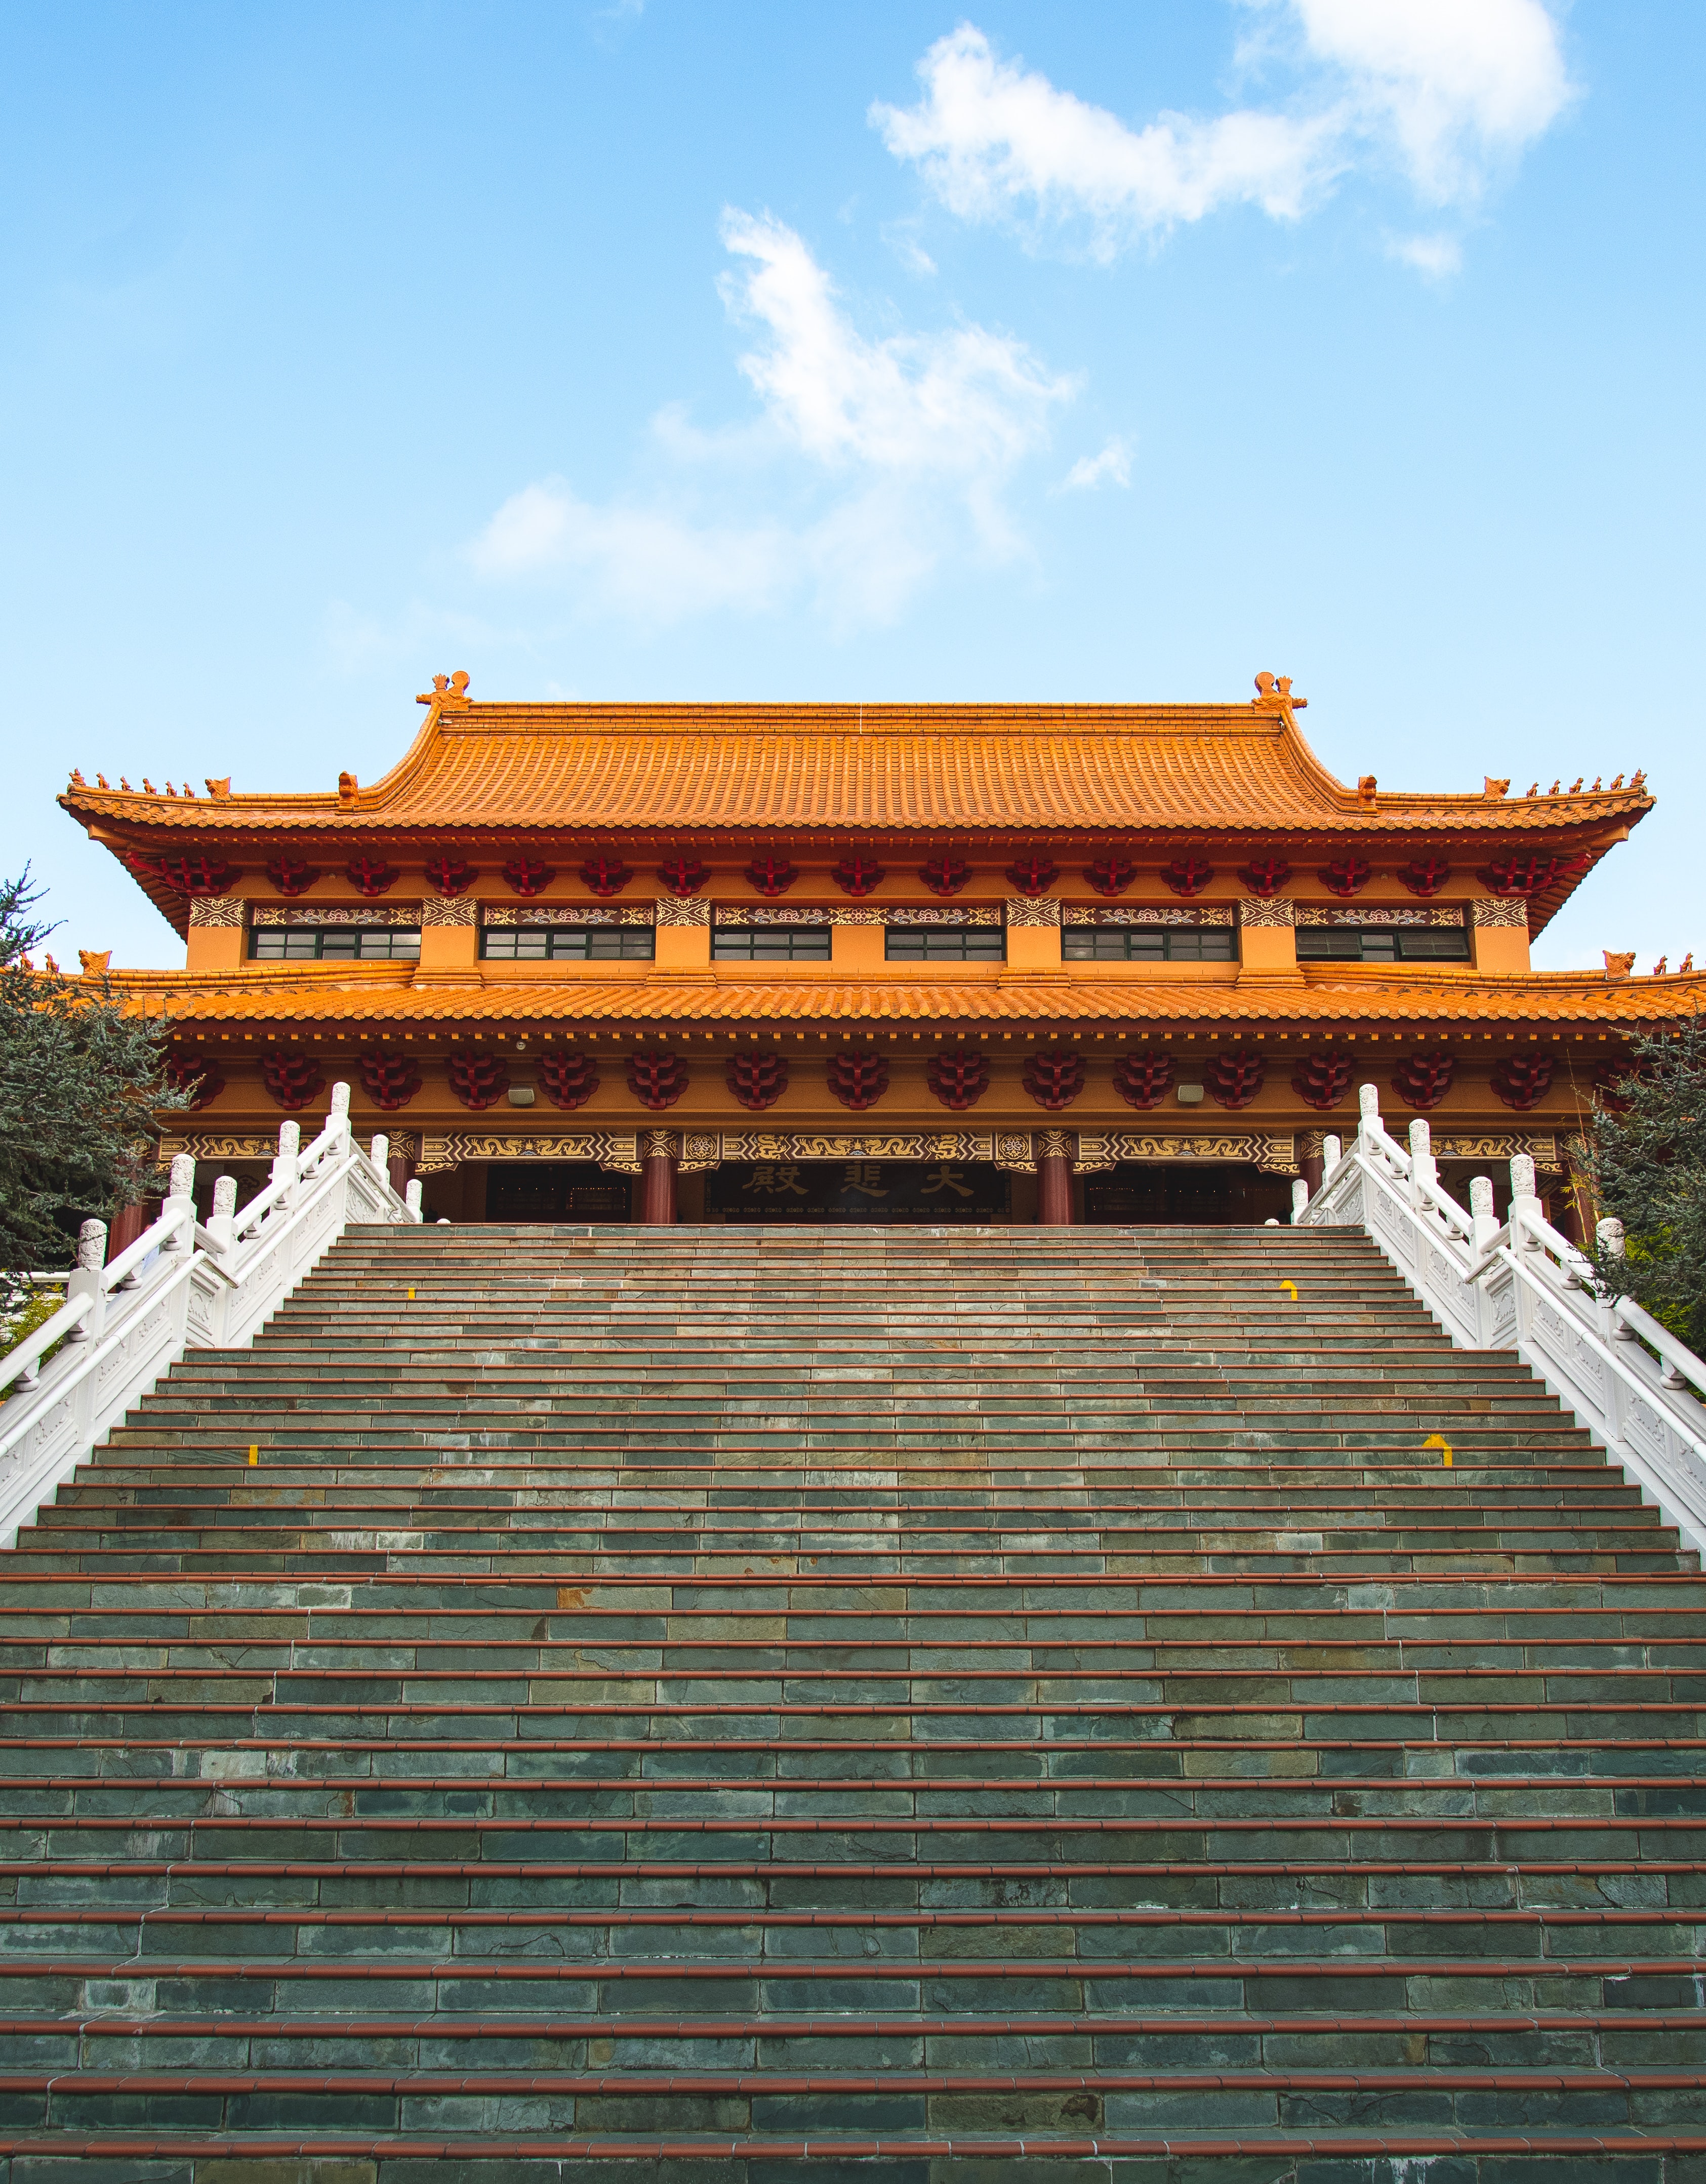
(751, 934)
(924, 935)
(1398, 934)
(625, 935)
(1226, 952)
(318, 934)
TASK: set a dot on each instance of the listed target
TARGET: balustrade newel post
(287, 1159)
(88, 1280)
(181, 1201)
(1425, 1172)
(1526, 1208)
(222, 1221)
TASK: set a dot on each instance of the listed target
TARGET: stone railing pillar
(1481, 1213)
(86, 1279)
(222, 1221)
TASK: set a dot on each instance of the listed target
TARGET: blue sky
(880, 352)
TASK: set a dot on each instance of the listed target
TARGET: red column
(399, 1169)
(657, 1187)
(1054, 1190)
(128, 1223)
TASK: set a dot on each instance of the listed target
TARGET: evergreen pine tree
(81, 1082)
(1647, 1162)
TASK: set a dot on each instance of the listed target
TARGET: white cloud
(1459, 82)
(900, 450)
(1444, 87)
(991, 138)
(1114, 463)
(1438, 256)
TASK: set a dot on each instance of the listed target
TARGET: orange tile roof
(358, 999)
(1101, 769)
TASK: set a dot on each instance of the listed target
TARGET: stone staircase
(763, 1703)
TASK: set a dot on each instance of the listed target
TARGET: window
(946, 944)
(770, 944)
(1382, 943)
(330, 944)
(1147, 944)
(571, 944)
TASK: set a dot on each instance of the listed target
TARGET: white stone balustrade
(1522, 1286)
(180, 1286)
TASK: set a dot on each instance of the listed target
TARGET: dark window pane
(1382, 943)
(1147, 944)
(1438, 944)
(771, 944)
(333, 944)
(1329, 943)
(571, 944)
(952, 943)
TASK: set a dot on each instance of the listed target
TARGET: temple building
(997, 964)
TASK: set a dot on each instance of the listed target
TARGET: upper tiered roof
(1092, 770)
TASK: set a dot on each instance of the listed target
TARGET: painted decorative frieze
(1276, 1153)
(617, 1151)
(449, 910)
(569, 914)
(1371, 914)
(209, 909)
(1118, 914)
(1493, 909)
(684, 909)
(1267, 909)
(1034, 910)
(335, 914)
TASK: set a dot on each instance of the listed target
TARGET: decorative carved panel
(225, 910)
(684, 909)
(1492, 910)
(1275, 1153)
(583, 913)
(363, 913)
(1541, 1146)
(1034, 910)
(617, 1151)
(1315, 913)
(1145, 914)
(1270, 910)
(450, 910)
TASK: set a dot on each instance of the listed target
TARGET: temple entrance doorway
(1185, 1193)
(930, 1193)
(554, 1190)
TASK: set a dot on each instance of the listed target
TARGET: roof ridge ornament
(448, 694)
(1273, 695)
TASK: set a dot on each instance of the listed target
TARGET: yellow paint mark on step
(411, 1296)
(1292, 1286)
(1439, 1440)
(254, 1451)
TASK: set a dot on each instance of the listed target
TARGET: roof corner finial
(1273, 695)
(1618, 966)
(1366, 786)
(448, 692)
(219, 789)
(1491, 787)
(348, 787)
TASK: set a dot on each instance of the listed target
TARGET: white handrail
(1524, 1287)
(179, 1286)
